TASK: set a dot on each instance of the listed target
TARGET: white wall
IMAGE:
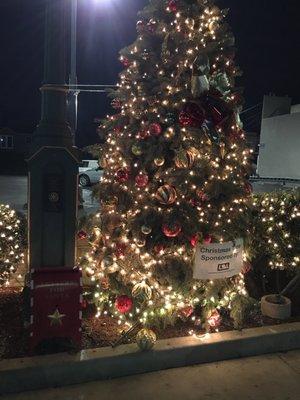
(279, 152)
(295, 108)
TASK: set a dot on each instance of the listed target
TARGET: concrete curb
(63, 369)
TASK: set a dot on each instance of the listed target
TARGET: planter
(271, 307)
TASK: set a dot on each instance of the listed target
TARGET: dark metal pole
(73, 95)
(53, 155)
(54, 128)
(52, 188)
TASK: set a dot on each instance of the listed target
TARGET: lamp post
(53, 183)
(73, 94)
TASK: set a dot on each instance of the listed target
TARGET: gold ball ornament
(159, 161)
(222, 150)
(190, 22)
(104, 282)
(140, 242)
(113, 268)
(213, 26)
(194, 151)
(166, 194)
(215, 10)
(145, 339)
(146, 229)
(136, 150)
(103, 162)
(142, 289)
(169, 133)
(184, 159)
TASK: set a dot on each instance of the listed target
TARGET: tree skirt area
(96, 332)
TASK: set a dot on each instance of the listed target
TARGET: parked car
(89, 173)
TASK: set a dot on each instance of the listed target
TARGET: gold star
(56, 317)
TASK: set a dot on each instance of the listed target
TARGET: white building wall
(295, 109)
(279, 152)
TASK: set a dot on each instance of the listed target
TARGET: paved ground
(269, 377)
(13, 191)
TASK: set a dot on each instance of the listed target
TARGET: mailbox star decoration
(56, 317)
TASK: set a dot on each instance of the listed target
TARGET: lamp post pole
(73, 94)
(53, 182)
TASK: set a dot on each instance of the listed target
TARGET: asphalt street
(13, 191)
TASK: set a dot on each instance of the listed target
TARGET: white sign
(218, 260)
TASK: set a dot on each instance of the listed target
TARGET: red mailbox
(56, 300)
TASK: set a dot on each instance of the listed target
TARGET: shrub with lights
(275, 226)
(176, 168)
(11, 243)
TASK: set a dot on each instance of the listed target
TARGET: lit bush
(11, 243)
(275, 226)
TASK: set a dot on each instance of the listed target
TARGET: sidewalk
(268, 377)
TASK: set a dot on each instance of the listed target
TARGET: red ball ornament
(207, 239)
(194, 202)
(214, 319)
(248, 188)
(247, 267)
(118, 130)
(120, 249)
(125, 61)
(186, 312)
(151, 26)
(143, 134)
(122, 175)
(116, 104)
(155, 129)
(192, 115)
(84, 304)
(202, 196)
(141, 180)
(158, 248)
(123, 304)
(82, 235)
(235, 135)
(140, 26)
(173, 5)
(194, 240)
(171, 230)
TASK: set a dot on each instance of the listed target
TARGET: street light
(74, 88)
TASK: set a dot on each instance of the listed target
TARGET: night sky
(266, 32)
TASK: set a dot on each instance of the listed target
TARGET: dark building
(14, 142)
(14, 145)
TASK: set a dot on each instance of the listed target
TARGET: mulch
(96, 332)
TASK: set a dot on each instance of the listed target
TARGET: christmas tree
(175, 171)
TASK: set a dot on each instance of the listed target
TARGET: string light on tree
(176, 161)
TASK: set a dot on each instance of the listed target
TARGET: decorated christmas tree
(175, 174)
